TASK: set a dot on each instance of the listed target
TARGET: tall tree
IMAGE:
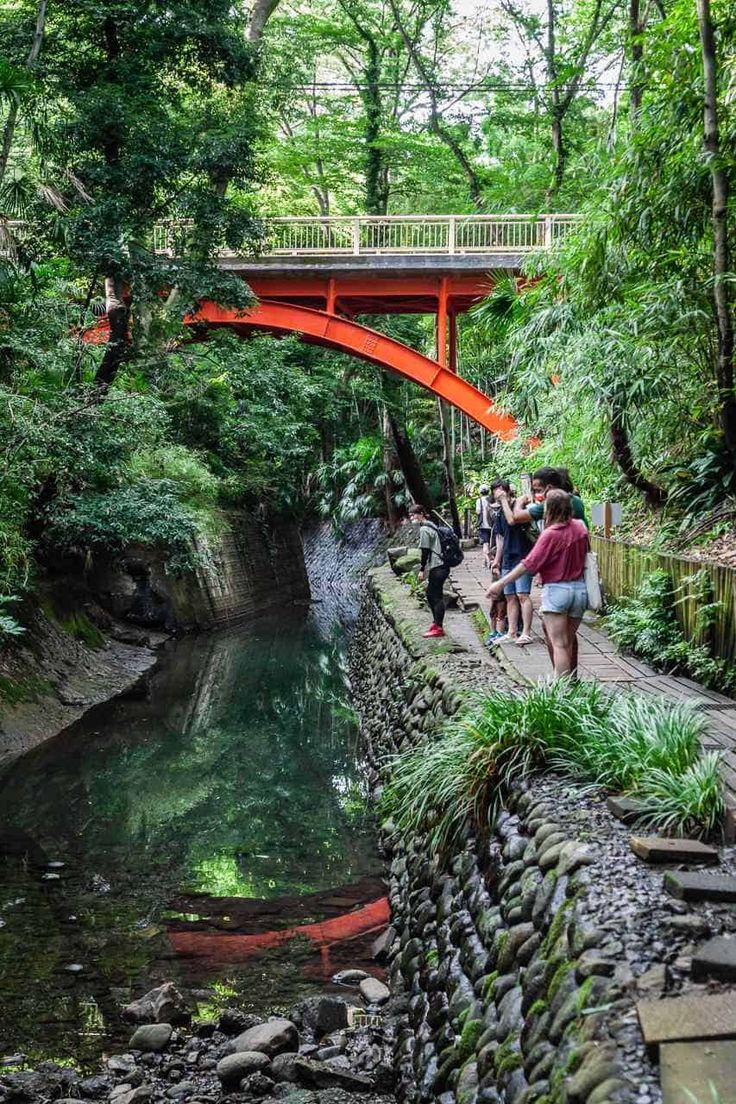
(720, 190)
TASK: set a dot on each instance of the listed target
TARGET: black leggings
(435, 595)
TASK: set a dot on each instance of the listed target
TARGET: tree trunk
(621, 447)
(636, 29)
(117, 346)
(260, 14)
(719, 215)
(411, 469)
(376, 190)
(12, 120)
(390, 465)
(447, 460)
(558, 145)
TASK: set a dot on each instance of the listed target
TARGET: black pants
(435, 595)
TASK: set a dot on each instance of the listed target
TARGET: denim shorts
(522, 585)
(568, 597)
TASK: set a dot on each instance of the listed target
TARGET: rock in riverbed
(234, 1067)
(271, 1038)
(374, 991)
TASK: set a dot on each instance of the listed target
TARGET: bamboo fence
(623, 566)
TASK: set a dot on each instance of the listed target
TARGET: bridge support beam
(347, 336)
(442, 323)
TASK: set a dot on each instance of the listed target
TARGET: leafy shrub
(645, 747)
(148, 512)
(8, 625)
(197, 485)
(646, 624)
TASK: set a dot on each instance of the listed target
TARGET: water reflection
(236, 776)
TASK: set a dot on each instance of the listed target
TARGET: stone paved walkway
(598, 659)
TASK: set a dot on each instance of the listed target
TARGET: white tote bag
(593, 582)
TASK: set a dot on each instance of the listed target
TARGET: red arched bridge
(314, 276)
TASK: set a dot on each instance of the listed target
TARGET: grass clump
(646, 747)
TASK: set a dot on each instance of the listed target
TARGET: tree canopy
(616, 351)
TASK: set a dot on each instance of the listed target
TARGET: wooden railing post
(356, 236)
(451, 234)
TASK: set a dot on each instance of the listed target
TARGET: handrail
(373, 235)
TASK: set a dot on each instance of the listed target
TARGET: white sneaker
(524, 639)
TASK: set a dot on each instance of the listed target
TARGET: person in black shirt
(512, 545)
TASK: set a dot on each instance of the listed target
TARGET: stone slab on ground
(716, 959)
(688, 1070)
(678, 1019)
(625, 809)
(662, 849)
(688, 885)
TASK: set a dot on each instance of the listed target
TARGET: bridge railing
(369, 235)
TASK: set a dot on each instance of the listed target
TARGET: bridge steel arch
(346, 336)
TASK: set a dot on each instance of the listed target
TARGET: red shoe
(434, 630)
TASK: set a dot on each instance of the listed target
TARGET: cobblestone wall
(506, 985)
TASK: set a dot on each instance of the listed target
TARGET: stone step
(678, 1019)
(663, 849)
(688, 1070)
(626, 809)
(693, 886)
(716, 959)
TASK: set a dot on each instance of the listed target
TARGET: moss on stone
(555, 929)
(538, 1008)
(488, 985)
(471, 1033)
(25, 689)
(558, 977)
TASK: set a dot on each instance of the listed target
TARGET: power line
(496, 86)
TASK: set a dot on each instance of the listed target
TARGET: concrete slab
(626, 809)
(679, 1019)
(662, 849)
(716, 959)
(697, 1072)
(694, 886)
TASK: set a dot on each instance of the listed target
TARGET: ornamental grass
(647, 748)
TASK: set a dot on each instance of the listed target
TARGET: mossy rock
(404, 564)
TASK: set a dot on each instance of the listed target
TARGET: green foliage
(646, 624)
(621, 743)
(8, 624)
(149, 512)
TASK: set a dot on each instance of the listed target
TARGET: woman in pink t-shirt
(558, 558)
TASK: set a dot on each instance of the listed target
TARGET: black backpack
(452, 553)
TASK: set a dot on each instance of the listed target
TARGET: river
(212, 829)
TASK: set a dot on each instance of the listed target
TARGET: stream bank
(96, 626)
(521, 954)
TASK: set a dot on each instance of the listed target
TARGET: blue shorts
(568, 597)
(484, 535)
(522, 585)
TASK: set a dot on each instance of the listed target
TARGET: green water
(236, 774)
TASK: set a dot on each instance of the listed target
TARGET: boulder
(350, 977)
(296, 1069)
(234, 1067)
(332, 1015)
(273, 1037)
(126, 1094)
(233, 1022)
(374, 991)
(162, 1005)
(151, 1037)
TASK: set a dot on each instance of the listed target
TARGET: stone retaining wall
(506, 985)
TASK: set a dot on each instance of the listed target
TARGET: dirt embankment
(52, 677)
